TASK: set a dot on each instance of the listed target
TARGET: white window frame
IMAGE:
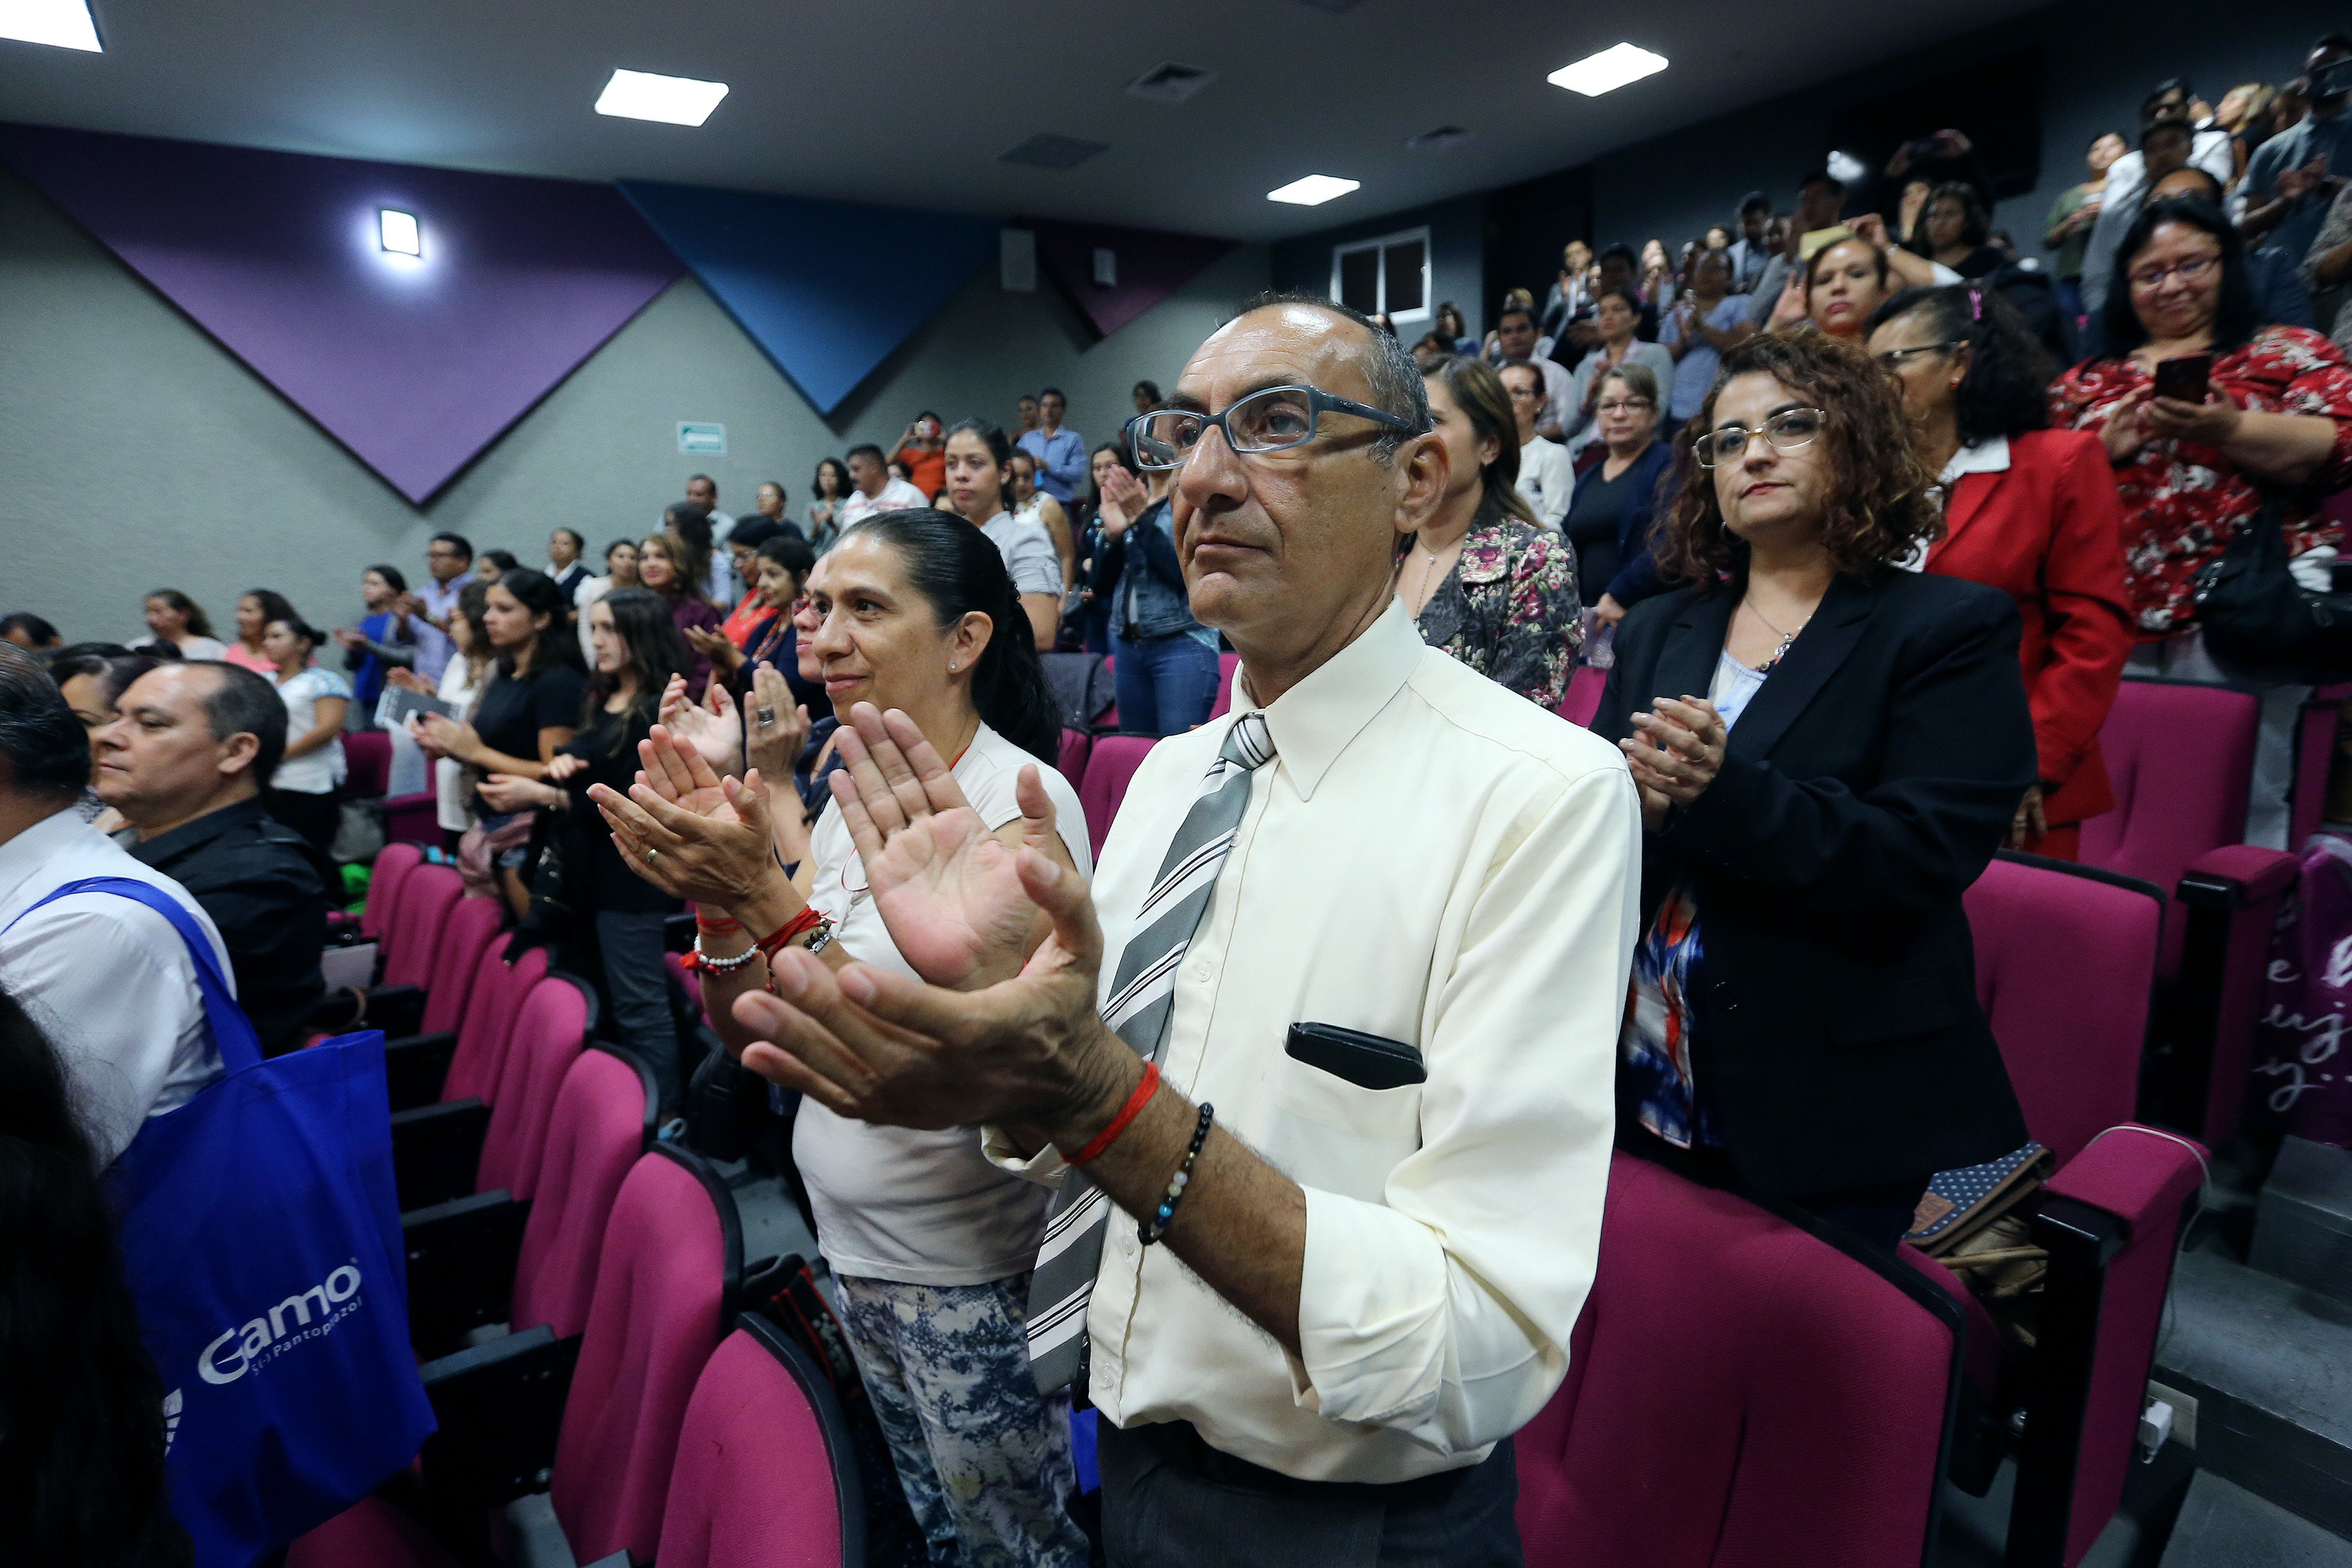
(1380, 274)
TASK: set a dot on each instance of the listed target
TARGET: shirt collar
(29, 850)
(1314, 721)
(1990, 455)
(196, 832)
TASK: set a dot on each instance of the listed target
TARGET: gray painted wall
(136, 453)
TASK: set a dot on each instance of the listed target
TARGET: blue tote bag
(261, 1239)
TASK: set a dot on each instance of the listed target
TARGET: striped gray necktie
(1142, 996)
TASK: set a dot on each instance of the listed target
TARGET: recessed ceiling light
(1314, 190)
(672, 99)
(64, 24)
(396, 232)
(1607, 71)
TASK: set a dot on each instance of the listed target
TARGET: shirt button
(1203, 969)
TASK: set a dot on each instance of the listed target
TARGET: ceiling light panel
(1314, 190)
(1607, 71)
(62, 24)
(396, 231)
(671, 99)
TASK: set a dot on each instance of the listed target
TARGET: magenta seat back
(760, 1479)
(2065, 961)
(1072, 759)
(1582, 698)
(1111, 764)
(427, 897)
(473, 928)
(385, 879)
(367, 762)
(2180, 759)
(549, 1028)
(1736, 1387)
(1226, 664)
(478, 1063)
(602, 1121)
(672, 1261)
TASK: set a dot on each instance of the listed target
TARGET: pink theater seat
(1582, 699)
(1077, 744)
(2066, 959)
(2180, 758)
(1740, 1394)
(413, 938)
(472, 929)
(549, 1030)
(1227, 663)
(413, 818)
(2314, 754)
(1111, 764)
(385, 879)
(602, 1120)
(367, 763)
(501, 980)
(765, 1477)
(671, 1266)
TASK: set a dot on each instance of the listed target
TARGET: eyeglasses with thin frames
(1272, 420)
(1895, 359)
(1786, 430)
(2189, 269)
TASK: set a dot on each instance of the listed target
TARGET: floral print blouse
(1509, 608)
(2183, 499)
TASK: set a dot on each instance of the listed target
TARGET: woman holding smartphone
(2206, 418)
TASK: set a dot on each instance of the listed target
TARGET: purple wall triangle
(415, 364)
(1150, 265)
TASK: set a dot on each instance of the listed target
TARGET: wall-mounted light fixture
(398, 232)
(60, 24)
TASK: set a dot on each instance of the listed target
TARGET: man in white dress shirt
(1417, 905)
(874, 487)
(108, 979)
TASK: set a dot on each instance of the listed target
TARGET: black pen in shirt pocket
(1367, 1062)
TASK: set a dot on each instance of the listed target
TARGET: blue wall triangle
(827, 290)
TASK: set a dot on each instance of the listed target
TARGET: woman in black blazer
(1829, 750)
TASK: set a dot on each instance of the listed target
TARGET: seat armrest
(499, 1406)
(435, 1150)
(2234, 875)
(461, 1267)
(396, 1009)
(416, 1065)
(2141, 1175)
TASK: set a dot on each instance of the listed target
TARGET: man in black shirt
(185, 764)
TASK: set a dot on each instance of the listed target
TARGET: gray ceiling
(911, 102)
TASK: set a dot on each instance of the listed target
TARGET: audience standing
(1617, 313)
(1750, 253)
(1803, 1019)
(184, 765)
(173, 617)
(1061, 453)
(620, 572)
(666, 563)
(1480, 578)
(1033, 505)
(565, 568)
(255, 610)
(108, 979)
(2072, 215)
(1516, 343)
(830, 488)
(390, 637)
(1164, 661)
(1703, 323)
(2029, 511)
(301, 791)
(931, 1247)
(923, 451)
(30, 632)
(2276, 430)
(873, 488)
(1611, 520)
(460, 687)
(1545, 481)
(448, 567)
(979, 477)
(1820, 200)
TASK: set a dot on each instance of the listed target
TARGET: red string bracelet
(806, 921)
(1126, 1113)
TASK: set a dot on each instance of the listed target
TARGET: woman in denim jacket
(1163, 662)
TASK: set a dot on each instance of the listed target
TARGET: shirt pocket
(1337, 1136)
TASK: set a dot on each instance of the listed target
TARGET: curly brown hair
(1878, 506)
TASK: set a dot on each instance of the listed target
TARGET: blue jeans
(1166, 685)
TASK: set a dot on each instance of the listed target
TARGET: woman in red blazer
(2029, 511)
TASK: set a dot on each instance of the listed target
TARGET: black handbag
(2262, 626)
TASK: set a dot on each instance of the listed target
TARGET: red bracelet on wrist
(1126, 1113)
(717, 925)
(808, 920)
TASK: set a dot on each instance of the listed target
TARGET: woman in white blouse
(1545, 480)
(174, 617)
(301, 792)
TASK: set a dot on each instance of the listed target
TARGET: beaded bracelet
(1152, 1229)
(709, 965)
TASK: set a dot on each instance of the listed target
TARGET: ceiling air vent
(1439, 140)
(1047, 151)
(1334, 6)
(1171, 83)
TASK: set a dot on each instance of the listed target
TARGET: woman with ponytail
(1481, 580)
(931, 1244)
(980, 483)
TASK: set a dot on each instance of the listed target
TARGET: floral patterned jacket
(1509, 608)
(2182, 499)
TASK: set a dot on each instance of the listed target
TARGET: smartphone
(2184, 377)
